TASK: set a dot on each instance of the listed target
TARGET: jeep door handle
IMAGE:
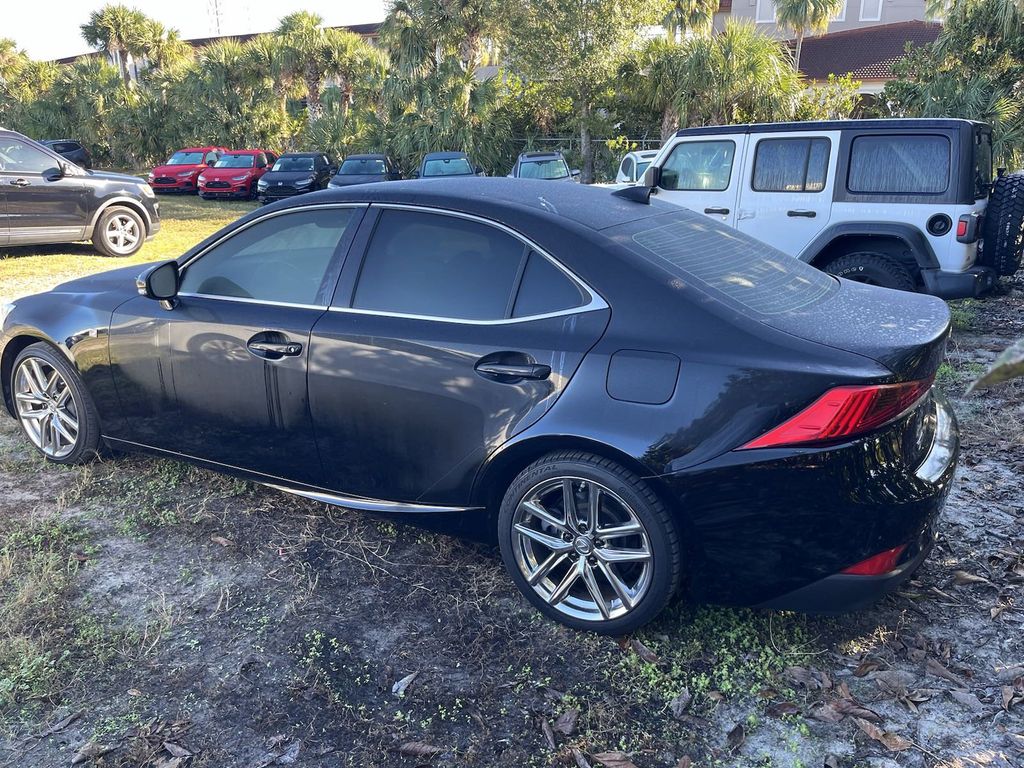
(719, 211)
(19, 182)
(509, 371)
(274, 350)
(802, 214)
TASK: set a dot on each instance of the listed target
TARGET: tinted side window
(899, 165)
(18, 157)
(699, 166)
(545, 288)
(438, 266)
(791, 165)
(627, 168)
(282, 258)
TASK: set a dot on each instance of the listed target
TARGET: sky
(50, 30)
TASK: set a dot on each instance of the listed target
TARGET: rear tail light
(878, 564)
(845, 412)
(961, 228)
(968, 227)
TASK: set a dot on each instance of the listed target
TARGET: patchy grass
(186, 220)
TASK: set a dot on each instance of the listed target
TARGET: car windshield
(235, 161)
(293, 164)
(186, 158)
(362, 166)
(543, 169)
(454, 166)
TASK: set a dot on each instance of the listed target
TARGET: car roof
(245, 151)
(444, 155)
(594, 208)
(539, 155)
(644, 152)
(369, 156)
(59, 141)
(901, 123)
(301, 154)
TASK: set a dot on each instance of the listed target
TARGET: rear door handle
(801, 214)
(513, 371)
(274, 350)
(19, 182)
(719, 211)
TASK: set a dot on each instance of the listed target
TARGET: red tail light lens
(961, 228)
(844, 412)
(878, 564)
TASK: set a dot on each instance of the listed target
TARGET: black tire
(87, 439)
(1002, 235)
(873, 269)
(106, 241)
(660, 573)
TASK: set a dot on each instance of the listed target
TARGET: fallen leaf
(222, 541)
(781, 708)
(827, 713)
(963, 578)
(581, 761)
(934, 667)
(566, 722)
(735, 737)
(684, 762)
(614, 760)
(134, 692)
(831, 761)
(868, 665)
(176, 750)
(419, 749)
(1007, 693)
(967, 699)
(716, 696)
(291, 754)
(643, 651)
(549, 735)
(90, 751)
(60, 725)
(399, 688)
(891, 741)
(808, 678)
(680, 703)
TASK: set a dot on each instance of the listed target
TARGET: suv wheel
(589, 543)
(1003, 231)
(873, 269)
(119, 232)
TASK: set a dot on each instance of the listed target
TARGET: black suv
(71, 150)
(549, 166)
(46, 199)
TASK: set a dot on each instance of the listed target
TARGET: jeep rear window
(727, 264)
(899, 165)
(982, 164)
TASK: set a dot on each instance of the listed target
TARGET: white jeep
(902, 203)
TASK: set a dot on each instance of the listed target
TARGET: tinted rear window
(727, 264)
(899, 165)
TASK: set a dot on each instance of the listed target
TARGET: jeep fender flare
(910, 237)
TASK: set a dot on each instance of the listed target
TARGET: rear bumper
(959, 285)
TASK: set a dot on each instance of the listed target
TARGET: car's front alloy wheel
(589, 543)
(52, 406)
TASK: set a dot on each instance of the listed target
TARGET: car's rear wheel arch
(891, 246)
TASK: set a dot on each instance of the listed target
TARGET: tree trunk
(313, 95)
(799, 47)
(586, 146)
(669, 122)
(122, 62)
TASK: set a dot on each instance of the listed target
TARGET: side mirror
(56, 173)
(651, 177)
(575, 173)
(414, 175)
(159, 282)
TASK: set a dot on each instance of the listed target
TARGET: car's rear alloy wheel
(52, 406)
(589, 543)
(119, 232)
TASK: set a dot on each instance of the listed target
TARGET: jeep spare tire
(1003, 231)
(873, 269)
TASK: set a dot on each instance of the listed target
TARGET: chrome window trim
(243, 300)
(594, 300)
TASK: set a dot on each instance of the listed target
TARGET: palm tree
(118, 30)
(268, 53)
(684, 16)
(802, 16)
(164, 47)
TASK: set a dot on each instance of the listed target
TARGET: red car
(236, 174)
(180, 172)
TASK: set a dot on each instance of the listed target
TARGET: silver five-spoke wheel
(582, 548)
(122, 233)
(46, 407)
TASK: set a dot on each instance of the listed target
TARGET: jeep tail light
(968, 228)
(878, 564)
(961, 227)
(845, 412)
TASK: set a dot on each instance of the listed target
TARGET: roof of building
(866, 54)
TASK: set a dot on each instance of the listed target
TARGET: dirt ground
(153, 614)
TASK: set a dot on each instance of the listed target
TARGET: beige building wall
(856, 14)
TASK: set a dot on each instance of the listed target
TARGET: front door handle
(719, 211)
(801, 214)
(19, 182)
(274, 350)
(509, 372)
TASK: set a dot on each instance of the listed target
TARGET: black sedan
(294, 173)
(642, 402)
(366, 169)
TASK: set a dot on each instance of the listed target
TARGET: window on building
(870, 10)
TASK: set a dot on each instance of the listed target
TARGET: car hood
(122, 177)
(287, 177)
(349, 179)
(173, 170)
(121, 280)
(225, 173)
